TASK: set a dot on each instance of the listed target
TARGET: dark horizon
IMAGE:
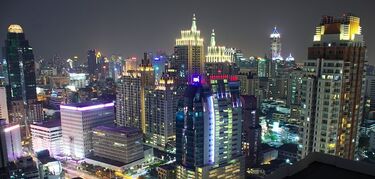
(70, 28)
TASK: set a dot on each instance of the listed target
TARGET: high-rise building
(275, 45)
(123, 144)
(130, 64)
(333, 87)
(3, 105)
(20, 73)
(159, 61)
(12, 136)
(47, 136)
(91, 62)
(369, 94)
(252, 131)
(147, 81)
(294, 93)
(116, 66)
(249, 83)
(203, 149)
(128, 100)
(161, 108)
(189, 54)
(77, 122)
(3, 146)
(209, 124)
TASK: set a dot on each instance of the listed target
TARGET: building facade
(3, 105)
(123, 144)
(128, 101)
(189, 54)
(19, 69)
(161, 107)
(333, 88)
(47, 136)
(77, 122)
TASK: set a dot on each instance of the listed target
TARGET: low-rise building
(47, 136)
(123, 144)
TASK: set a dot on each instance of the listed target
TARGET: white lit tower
(275, 45)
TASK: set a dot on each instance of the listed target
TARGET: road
(71, 172)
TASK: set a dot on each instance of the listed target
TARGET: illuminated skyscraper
(20, 70)
(128, 100)
(275, 45)
(332, 87)
(147, 82)
(189, 54)
(161, 108)
(208, 126)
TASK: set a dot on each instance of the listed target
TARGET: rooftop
(292, 148)
(87, 105)
(49, 123)
(120, 129)
(319, 165)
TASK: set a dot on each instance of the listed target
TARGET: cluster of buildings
(198, 110)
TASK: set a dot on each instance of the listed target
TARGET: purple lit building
(77, 122)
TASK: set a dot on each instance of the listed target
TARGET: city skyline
(233, 90)
(246, 25)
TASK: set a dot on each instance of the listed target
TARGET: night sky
(70, 27)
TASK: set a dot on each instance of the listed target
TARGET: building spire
(275, 33)
(194, 24)
(213, 41)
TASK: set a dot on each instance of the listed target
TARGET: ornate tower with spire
(189, 54)
(275, 45)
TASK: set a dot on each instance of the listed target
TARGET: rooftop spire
(194, 24)
(275, 33)
(213, 41)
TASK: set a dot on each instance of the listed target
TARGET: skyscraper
(20, 73)
(252, 131)
(208, 125)
(189, 54)
(91, 62)
(128, 100)
(332, 87)
(275, 45)
(160, 110)
(147, 82)
(203, 149)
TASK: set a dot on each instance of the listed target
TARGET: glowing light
(190, 37)
(87, 107)
(290, 58)
(196, 79)
(212, 131)
(15, 28)
(275, 33)
(8, 129)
